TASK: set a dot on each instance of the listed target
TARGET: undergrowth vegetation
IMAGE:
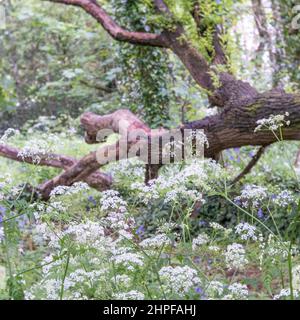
(190, 234)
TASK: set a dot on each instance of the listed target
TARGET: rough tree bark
(241, 105)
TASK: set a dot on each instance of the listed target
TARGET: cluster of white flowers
(5, 180)
(237, 291)
(246, 231)
(284, 198)
(146, 193)
(131, 295)
(1, 234)
(80, 276)
(90, 233)
(215, 289)
(156, 242)
(39, 149)
(118, 220)
(167, 227)
(214, 249)
(296, 277)
(127, 168)
(274, 249)
(252, 195)
(272, 123)
(174, 183)
(43, 233)
(49, 263)
(111, 200)
(284, 293)
(179, 280)
(201, 240)
(51, 287)
(130, 260)
(121, 279)
(216, 226)
(7, 134)
(235, 256)
(211, 111)
(173, 195)
(55, 206)
(65, 190)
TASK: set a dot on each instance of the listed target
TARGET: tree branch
(297, 161)
(97, 180)
(250, 165)
(117, 32)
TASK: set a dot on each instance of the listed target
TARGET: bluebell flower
(260, 213)
(92, 200)
(237, 202)
(140, 230)
(202, 223)
(251, 154)
(197, 260)
(200, 291)
(2, 213)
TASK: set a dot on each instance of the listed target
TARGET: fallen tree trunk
(234, 127)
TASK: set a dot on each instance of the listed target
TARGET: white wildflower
(284, 198)
(39, 149)
(146, 193)
(246, 231)
(80, 276)
(1, 234)
(216, 226)
(237, 291)
(122, 256)
(252, 195)
(215, 288)
(272, 123)
(286, 293)
(211, 111)
(89, 233)
(121, 279)
(179, 280)
(201, 240)
(156, 242)
(296, 277)
(66, 190)
(131, 295)
(127, 168)
(214, 248)
(235, 256)
(111, 200)
(8, 134)
(167, 227)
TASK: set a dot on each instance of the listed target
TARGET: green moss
(254, 107)
(297, 98)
